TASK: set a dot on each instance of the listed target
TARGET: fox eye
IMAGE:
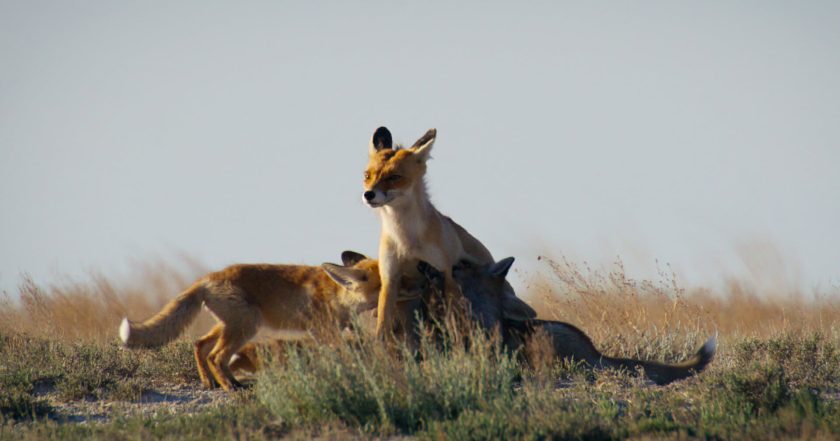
(367, 175)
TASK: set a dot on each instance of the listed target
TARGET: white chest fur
(412, 239)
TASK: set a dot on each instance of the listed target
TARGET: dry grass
(92, 310)
(607, 303)
(615, 309)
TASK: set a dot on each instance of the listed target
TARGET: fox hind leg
(233, 337)
(203, 346)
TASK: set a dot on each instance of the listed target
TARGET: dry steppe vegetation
(776, 374)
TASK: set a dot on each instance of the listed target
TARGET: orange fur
(245, 297)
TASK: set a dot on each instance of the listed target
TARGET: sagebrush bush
(376, 387)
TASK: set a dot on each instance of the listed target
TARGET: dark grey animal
(483, 288)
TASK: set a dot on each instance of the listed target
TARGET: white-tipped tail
(167, 324)
(125, 330)
(710, 347)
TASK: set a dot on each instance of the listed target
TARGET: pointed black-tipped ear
(343, 275)
(423, 146)
(381, 139)
(350, 258)
(501, 268)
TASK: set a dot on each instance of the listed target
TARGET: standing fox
(244, 298)
(412, 228)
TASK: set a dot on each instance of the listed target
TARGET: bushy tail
(167, 324)
(571, 342)
(661, 373)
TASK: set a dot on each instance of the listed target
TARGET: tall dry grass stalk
(92, 310)
(615, 309)
(625, 316)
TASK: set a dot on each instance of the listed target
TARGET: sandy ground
(165, 399)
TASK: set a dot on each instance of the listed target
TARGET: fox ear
(381, 139)
(350, 258)
(423, 146)
(428, 271)
(501, 268)
(343, 275)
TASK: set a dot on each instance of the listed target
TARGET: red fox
(244, 298)
(412, 228)
(418, 292)
(483, 287)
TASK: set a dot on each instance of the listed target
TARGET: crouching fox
(483, 287)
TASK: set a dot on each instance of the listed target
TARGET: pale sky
(670, 132)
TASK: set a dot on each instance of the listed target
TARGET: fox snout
(377, 198)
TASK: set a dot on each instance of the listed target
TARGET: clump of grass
(94, 372)
(17, 400)
(374, 388)
(744, 399)
(763, 388)
(91, 370)
(807, 360)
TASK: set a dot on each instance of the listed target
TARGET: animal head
(435, 279)
(359, 278)
(483, 285)
(394, 172)
(431, 290)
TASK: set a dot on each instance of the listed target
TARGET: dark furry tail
(661, 373)
(167, 324)
(570, 342)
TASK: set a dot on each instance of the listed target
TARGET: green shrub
(366, 385)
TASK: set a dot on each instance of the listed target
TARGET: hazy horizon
(704, 136)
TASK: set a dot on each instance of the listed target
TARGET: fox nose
(369, 195)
